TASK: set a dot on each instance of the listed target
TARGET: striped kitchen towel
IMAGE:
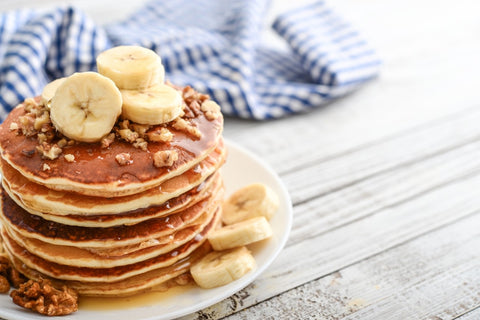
(214, 46)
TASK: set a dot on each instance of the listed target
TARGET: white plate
(241, 168)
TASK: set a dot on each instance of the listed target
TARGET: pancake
(117, 256)
(212, 185)
(64, 272)
(31, 226)
(144, 282)
(95, 170)
(37, 198)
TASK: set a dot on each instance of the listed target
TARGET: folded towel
(214, 46)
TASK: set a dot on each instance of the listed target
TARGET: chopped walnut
(140, 143)
(15, 277)
(164, 158)
(13, 126)
(41, 120)
(49, 151)
(128, 135)
(4, 266)
(185, 126)
(41, 138)
(43, 298)
(7, 271)
(141, 129)
(211, 109)
(4, 285)
(123, 158)
(69, 157)
(161, 135)
(190, 95)
(32, 106)
(45, 167)
(108, 140)
(124, 124)
(26, 124)
(62, 143)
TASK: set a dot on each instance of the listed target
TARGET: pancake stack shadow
(107, 228)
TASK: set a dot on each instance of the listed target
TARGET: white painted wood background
(385, 182)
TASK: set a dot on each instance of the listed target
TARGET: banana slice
(49, 91)
(219, 268)
(250, 201)
(154, 105)
(131, 67)
(240, 234)
(85, 106)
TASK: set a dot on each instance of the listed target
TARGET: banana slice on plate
(154, 105)
(49, 91)
(240, 234)
(250, 201)
(219, 268)
(85, 106)
(131, 67)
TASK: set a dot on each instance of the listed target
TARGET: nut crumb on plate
(42, 297)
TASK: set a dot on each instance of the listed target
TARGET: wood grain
(384, 181)
(371, 215)
(421, 279)
(470, 315)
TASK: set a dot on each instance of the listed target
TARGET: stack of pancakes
(107, 229)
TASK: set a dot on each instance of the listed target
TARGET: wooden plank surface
(371, 215)
(384, 181)
(424, 278)
(470, 315)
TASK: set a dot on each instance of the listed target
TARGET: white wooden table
(385, 182)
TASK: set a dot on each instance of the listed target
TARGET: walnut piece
(4, 285)
(69, 157)
(140, 143)
(193, 101)
(161, 135)
(164, 158)
(41, 120)
(128, 135)
(185, 126)
(123, 158)
(49, 151)
(108, 140)
(14, 126)
(15, 278)
(211, 109)
(43, 298)
(7, 271)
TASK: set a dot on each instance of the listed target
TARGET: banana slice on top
(131, 67)
(50, 89)
(250, 201)
(154, 105)
(85, 106)
(219, 268)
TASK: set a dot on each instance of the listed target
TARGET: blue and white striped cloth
(214, 46)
